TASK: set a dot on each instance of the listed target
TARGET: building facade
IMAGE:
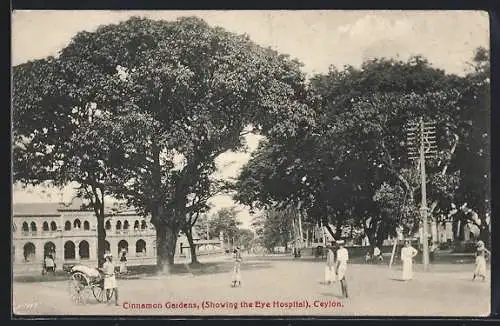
(70, 235)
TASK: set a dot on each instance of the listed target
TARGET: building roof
(34, 209)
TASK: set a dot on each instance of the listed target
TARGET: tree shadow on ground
(138, 272)
(332, 295)
(193, 269)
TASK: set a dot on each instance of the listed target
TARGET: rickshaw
(85, 280)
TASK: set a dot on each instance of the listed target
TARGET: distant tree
(273, 229)
(225, 221)
(245, 238)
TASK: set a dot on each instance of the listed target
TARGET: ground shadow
(332, 295)
(138, 272)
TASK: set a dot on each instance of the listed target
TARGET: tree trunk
(192, 248)
(166, 239)
(101, 239)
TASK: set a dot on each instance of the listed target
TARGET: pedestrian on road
(49, 264)
(377, 254)
(123, 263)
(237, 267)
(330, 275)
(110, 283)
(342, 258)
(481, 253)
(407, 255)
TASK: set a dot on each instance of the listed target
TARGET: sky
(318, 39)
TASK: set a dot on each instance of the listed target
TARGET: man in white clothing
(342, 258)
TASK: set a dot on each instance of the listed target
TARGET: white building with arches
(70, 235)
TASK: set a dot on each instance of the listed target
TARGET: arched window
(77, 224)
(122, 246)
(119, 225)
(125, 225)
(67, 226)
(107, 246)
(26, 227)
(83, 250)
(29, 251)
(144, 225)
(140, 248)
(53, 226)
(108, 225)
(45, 226)
(49, 249)
(86, 225)
(136, 225)
(33, 226)
(69, 250)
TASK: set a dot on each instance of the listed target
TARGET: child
(237, 267)
(109, 278)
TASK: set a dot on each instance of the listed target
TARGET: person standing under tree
(480, 269)
(110, 283)
(330, 275)
(237, 267)
(342, 258)
(407, 255)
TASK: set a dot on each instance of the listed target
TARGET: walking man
(110, 283)
(342, 258)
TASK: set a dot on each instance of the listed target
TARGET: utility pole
(421, 140)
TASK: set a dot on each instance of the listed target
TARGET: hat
(107, 255)
(480, 243)
(340, 241)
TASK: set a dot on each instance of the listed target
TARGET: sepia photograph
(250, 163)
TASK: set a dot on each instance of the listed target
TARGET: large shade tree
(178, 94)
(352, 166)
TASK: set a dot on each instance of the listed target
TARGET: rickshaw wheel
(78, 287)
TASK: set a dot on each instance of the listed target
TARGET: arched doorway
(29, 252)
(69, 250)
(140, 248)
(122, 246)
(49, 249)
(107, 246)
(84, 250)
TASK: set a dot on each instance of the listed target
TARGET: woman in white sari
(407, 255)
(481, 253)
